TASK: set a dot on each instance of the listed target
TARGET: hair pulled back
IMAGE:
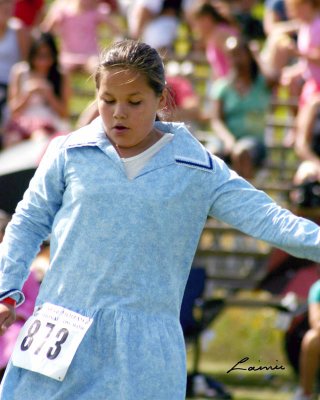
(137, 56)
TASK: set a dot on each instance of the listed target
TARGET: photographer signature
(252, 368)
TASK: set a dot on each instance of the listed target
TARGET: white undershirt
(133, 165)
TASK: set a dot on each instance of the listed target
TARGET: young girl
(213, 29)
(125, 200)
(14, 42)
(240, 105)
(307, 68)
(38, 94)
(76, 25)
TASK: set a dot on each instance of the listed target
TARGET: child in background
(38, 94)
(213, 29)
(155, 22)
(76, 25)
(125, 199)
(240, 105)
(307, 69)
(307, 145)
(14, 42)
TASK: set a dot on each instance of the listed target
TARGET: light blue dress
(121, 252)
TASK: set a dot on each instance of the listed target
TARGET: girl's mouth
(120, 128)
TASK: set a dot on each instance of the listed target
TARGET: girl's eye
(135, 103)
(108, 101)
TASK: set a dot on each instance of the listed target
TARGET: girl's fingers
(6, 321)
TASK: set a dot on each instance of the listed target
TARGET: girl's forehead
(124, 78)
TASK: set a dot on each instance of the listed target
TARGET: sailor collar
(185, 149)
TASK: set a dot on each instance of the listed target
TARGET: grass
(252, 385)
(239, 333)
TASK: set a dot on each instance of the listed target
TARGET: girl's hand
(228, 145)
(39, 86)
(290, 75)
(7, 317)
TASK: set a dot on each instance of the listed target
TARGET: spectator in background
(310, 348)
(76, 25)
(240, 104)
(38, 94)
(307, 146)
(279, 48)
(185, 101)
(307, 67)
(156, 22)
(274, 12)
(212, 29)
(30, 12)
(13, 48)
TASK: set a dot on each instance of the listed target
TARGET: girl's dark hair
(207, 9)
(242, 43)
(140, 57)
(54, 74)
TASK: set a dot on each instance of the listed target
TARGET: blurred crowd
(251, 57)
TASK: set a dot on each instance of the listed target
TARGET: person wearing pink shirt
(213, 29)
(30, 12)
(307, 68)
(76, 25)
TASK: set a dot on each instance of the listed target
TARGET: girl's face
(301, 10)
(128, 107)
(87, 4)
(239, 58)
(43, 59)
(203, 26)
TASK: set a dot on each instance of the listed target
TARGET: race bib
(49, 340)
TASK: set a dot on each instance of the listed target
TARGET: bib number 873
(32, 336)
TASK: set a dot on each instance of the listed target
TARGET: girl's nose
(120, 111)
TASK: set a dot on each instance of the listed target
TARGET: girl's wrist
(9, 300)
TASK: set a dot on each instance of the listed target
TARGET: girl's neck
(242, 81)
(139, 148)
(39, 74)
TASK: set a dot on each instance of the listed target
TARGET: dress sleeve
(32, 222)
(239, 204)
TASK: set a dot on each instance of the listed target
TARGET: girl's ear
(163, 101)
